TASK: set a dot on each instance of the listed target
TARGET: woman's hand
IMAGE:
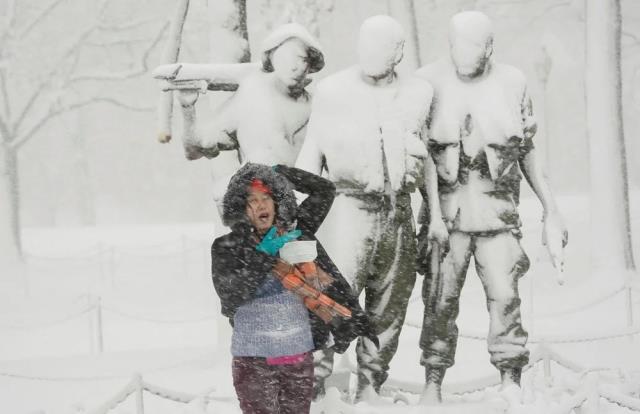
(271, 243)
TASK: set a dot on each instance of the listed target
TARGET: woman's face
(261, 210)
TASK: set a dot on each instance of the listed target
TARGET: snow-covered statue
(265, 119)
(364, 134)
(481, 139)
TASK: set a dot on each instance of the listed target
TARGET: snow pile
(160, 332)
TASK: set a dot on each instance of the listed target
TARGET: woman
(275, 329)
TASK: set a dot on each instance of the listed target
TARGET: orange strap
(315, 300)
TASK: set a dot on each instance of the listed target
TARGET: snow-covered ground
(160, 319)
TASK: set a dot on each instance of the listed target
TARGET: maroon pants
(273, 389)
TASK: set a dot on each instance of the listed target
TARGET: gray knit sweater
(275, 323)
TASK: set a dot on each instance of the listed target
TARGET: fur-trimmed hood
(235, 199)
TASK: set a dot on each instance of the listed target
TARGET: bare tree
(305, 12)
(611, 240)
(43, 77)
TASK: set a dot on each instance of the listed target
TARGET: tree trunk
(405, 13)
(228, 34)
(86, 199)
(415, 34)
(241, 28)
(10, 244)
(171, 54)
(228, 43)
(611, 230)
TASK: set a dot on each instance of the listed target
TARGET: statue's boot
(319, 390)
(369, 384)
(510, 376)
(432, 393)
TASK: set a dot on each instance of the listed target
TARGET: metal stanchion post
(101, 263)
(26, 277)
(185, 268)
(592, 404)
(629, 302)
(112, 265)
(90, 317)
(99, 322)
(532, 319)
(546, 361)
(139, 394)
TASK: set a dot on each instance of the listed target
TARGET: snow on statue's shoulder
(436, 70)
(510, 75)
(418, 91)
(339, 84)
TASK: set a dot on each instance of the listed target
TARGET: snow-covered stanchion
(177, 253)
(138, 386)
(168, 394)
(96, 308)
(555, 339)
(626, 288)
(615, 397)
(185, 261)
(139, 390)
(88, 251)
(118, 398)
(546, 362)
(101, 261)
(629, 297)
(585, 395)
(108, 252)
(112, 266)
(83, 256)
(99, 327)
(588, 398)
(614, 292)
(157, 320)
(49, 323)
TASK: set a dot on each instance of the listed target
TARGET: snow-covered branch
(112, 101)
(4, 130)
(5, 93)
(10, 19)
(19, 142)
(139, 71)
(27, 107)
(545, 11)
(126, 26)
(632, 36)
(118, 42)
(41, 16)
(57, 110)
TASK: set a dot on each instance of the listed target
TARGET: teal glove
(270, 243)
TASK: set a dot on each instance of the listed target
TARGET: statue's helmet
(380, 45)
(471, 41)
(292, 31)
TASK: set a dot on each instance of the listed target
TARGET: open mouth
(263, 216)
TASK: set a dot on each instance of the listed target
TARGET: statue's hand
(431, 234)
(187, 97)
(555, 237)
(438, 233)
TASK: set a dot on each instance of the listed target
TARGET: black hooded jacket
(239, 269)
